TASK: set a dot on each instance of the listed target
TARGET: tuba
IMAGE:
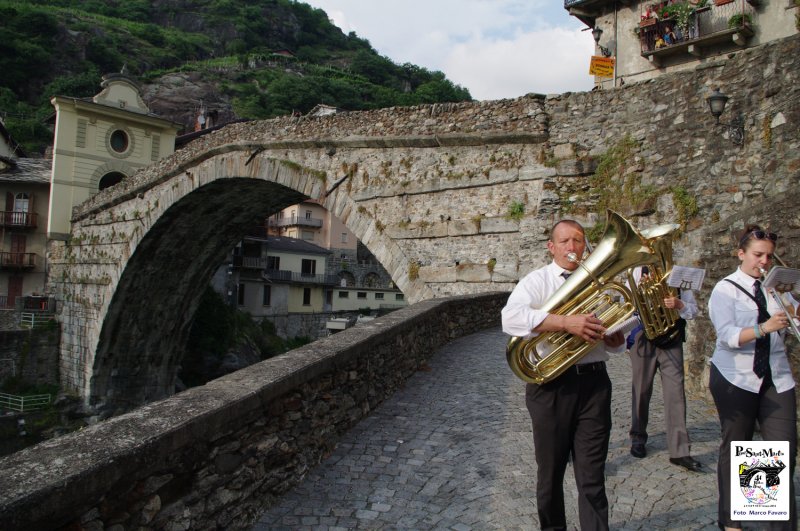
(592, 288)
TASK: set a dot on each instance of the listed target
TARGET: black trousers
(738, 411)
(571, 416)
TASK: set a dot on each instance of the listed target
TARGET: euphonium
(592, 289)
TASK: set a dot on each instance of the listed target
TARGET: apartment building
(650, 38)
(363, 283)
(25, 185)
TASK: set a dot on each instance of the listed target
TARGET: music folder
(782, 279)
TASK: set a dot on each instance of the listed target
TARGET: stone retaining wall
(212, 457)
(31, 355)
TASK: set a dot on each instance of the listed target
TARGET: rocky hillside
(253, 59)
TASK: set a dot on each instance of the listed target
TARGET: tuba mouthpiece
(572, 257)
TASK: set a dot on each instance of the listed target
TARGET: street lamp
(716, 104)
(597, 32)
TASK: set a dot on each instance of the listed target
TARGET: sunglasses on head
(760, 235)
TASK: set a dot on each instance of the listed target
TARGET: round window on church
(119, 141)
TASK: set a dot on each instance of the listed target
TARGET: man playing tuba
(571, 414)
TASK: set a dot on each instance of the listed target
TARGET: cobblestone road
(453, 450)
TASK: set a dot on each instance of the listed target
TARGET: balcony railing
(17, 260)
(302, 278)
(25, 220)
(249, 262)
(295, 220)
(707, 26)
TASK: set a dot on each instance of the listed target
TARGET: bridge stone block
(490, 225)
(473, 273)
(438, 274)
(536, 173)
(463, 227)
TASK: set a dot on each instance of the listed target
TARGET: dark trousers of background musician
(571, 415)
(645, 359)
(738, 411)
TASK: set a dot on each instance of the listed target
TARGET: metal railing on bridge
(23, 403)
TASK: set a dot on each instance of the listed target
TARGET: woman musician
(750, 376)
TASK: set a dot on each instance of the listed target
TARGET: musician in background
(571, 415)
(666, 355)
(750, 376)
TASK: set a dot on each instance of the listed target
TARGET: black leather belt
(586, 368)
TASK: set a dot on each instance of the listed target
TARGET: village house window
(21, 202)
(344, 294)
(119, 141)
(240, 295)
(306, 296)
(361, 294)
(308, 235)
(398, 296)
(308, 268)
(379, 296)
(344, 237)
(266, 296)
(274, 263)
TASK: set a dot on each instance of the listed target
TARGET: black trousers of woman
(739, 410)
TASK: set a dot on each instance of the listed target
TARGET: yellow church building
(99, 142)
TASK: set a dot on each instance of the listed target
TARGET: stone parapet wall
(213, 456)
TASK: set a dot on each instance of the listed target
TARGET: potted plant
(740, 20)
(682, 13)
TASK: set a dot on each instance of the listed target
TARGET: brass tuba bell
(592, 288)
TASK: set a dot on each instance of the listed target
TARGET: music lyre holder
(780, 280)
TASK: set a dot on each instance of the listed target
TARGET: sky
(494, 48)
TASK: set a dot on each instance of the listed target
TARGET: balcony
(20, 220)
(662, 37)
(17, 260)
(295, 221)
(588, 10)
(249, 262)
(274, 275)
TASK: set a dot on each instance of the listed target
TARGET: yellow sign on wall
(601, 66)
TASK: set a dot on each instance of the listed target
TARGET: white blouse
(731, 311)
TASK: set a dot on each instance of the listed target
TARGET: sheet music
(782, 279)
(624, 327)
(683, 277)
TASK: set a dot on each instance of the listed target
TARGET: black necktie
(761, 358)
(566, 274)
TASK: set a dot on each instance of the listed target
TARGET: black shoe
(638, 450)
(688, 462)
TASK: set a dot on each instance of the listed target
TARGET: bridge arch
(141, 253)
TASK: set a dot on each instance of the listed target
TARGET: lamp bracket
(735, 129)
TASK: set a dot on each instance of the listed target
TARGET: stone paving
(453, 450)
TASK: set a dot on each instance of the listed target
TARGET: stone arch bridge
(429, 190)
